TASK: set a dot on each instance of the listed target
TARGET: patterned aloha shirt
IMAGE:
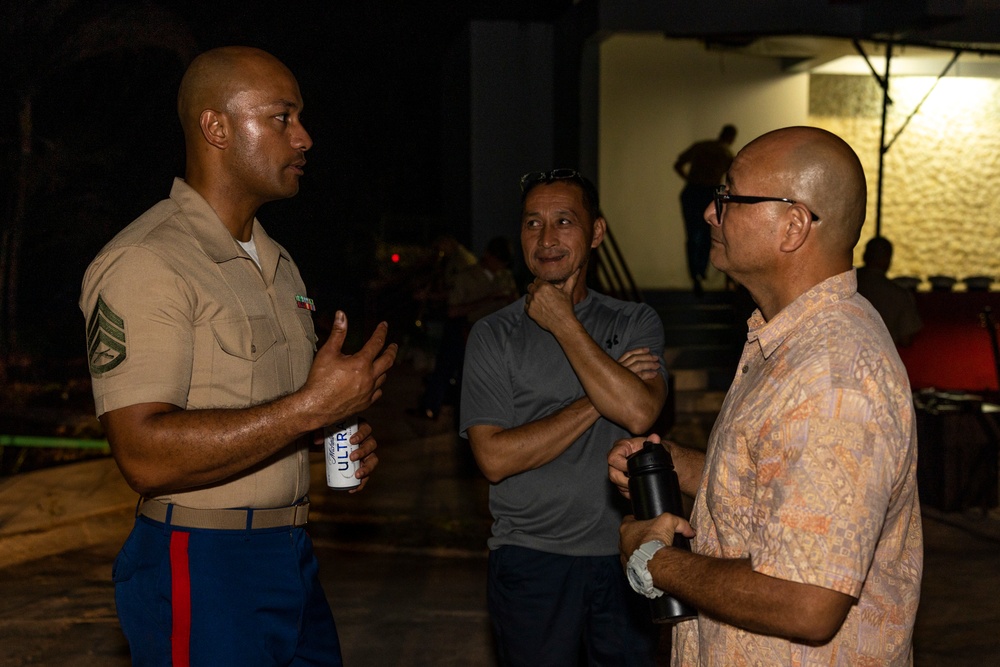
(811, 474)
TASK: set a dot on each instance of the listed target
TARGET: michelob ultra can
(340, 468)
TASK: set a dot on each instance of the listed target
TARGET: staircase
(703, 340)
(704, 337)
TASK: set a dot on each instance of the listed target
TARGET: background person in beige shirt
(702, 166)
(894, 303)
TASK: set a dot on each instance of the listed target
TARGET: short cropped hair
(591, 201)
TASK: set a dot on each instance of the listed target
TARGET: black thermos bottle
(653, 485)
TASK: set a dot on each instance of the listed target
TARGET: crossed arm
(629, 391)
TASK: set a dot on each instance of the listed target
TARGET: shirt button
(253, 350)
(745, 368)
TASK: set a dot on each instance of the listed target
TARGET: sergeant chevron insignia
(105, 339)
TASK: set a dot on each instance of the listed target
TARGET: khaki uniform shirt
(178, 313)
(811, 474)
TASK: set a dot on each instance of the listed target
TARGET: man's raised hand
(339, 384)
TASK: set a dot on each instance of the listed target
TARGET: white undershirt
(251, 249)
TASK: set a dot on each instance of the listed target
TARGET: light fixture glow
(968, 65)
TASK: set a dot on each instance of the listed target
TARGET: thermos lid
(651, 457)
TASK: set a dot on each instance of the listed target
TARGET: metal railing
(611, 271)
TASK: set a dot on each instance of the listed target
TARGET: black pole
(881, 142)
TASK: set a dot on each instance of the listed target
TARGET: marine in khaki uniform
(210, 387)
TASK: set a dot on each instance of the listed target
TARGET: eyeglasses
(532, 178)
(723, 197)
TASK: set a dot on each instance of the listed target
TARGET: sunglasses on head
(535, 177)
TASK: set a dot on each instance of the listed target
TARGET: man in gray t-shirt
(550, 383)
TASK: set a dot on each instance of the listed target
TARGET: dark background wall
(422, 115)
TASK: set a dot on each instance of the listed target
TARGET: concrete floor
(403, 562)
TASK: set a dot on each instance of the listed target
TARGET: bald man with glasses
(806, 537)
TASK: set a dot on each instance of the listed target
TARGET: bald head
(215, 78)
(821, 170)
(244, 140)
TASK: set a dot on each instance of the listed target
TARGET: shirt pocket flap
(245, 338)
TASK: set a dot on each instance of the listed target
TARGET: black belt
(189, 517)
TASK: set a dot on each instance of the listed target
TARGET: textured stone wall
(941, 178)
(941, 195)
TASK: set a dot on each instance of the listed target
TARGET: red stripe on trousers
(180, 590)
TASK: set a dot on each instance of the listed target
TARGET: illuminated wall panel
(941, 182)
(941, 195)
